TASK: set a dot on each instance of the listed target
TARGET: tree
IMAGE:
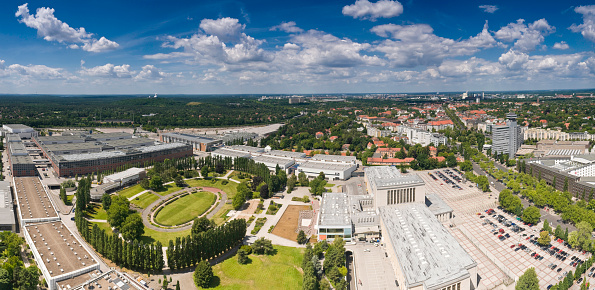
(26, 278)
(156, 182)
(531, 215)
(178, 285)
(242, 257)
(301, 237)
(303, 179)
(466, 166)
(263, 246)
(203, 274)
(317, 186)
(133, 227)
(544, 238)
(547, 227)
(451, 160)
(321, 175)
(63, 196)
(204, 171)
(565, 183)
(5, 280)
(219, 167)
(238, 200)
(558, 233)
(291, 182)
(264, 191)
(179, 181)
(118, 211)
(201, 224)
(528, 281)
(106, 201)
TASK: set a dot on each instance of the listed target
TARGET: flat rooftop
(288, 154)
(60, 251)
(334, 158)
(115, 135)
(231, 153)
(117, 153)
(95, 280)
(6, 209)
(427, 253)
(247, 148)
(63, 138)
(191, 137)
(18, 127)
(334, 166)
(19, 159)
(381, 177)
(334, 210)
(436, 205)
(131, 142)
(74, 146)
(273, 160)
(33, 201)
(124, 174)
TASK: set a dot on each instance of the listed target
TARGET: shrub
(203, 274)
(247, 249)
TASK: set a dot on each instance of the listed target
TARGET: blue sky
(301, 47)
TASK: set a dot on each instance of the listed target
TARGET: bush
(259, 223)
(247, 249)
(263, 246)
(224, 182)
(301, 238)
(242, 257)
(203, 274)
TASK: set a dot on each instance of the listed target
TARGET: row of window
(403, 195)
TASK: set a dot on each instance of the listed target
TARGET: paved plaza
(496, 259)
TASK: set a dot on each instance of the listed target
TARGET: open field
(235, 174)
(280, 271)
(185, 209)
(288, 224)
(151, 236)
(130, 191)
(229, 188)
(167, 189)
(144, 200)
(96, 211)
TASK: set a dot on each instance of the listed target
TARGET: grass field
(104, 226)
(281, 271)
(95, 211)
(151, 236)
(167, 189)
(185, 209)
(130, 191)
(229, 188)
(235, 174)
(144, 200)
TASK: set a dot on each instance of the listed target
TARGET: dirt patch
(249, 210)
(288, 223)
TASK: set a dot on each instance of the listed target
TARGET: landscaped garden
(278, 271)
(95, 211)
(144, 200)
(131, 191)
(185, 209)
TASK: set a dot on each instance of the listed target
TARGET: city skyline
(267, 47)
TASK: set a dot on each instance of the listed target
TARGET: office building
(507, 139)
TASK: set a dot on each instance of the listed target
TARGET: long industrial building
(19, 160)
(7, 219)
(85, 153)
(205, 143)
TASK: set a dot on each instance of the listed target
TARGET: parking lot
(501, 244)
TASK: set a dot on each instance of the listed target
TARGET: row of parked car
(447, 180)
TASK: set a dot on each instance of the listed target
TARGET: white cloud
(367, 10)
(587, 28)
(561, 45)
(514, 60)
(417, 44)
(108, 71)
(40, 72)
(226, 29)
(488, 8)
(289, 27)
(150, 72)
(525, 37)
(52, 29)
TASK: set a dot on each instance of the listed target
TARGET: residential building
(507, 139)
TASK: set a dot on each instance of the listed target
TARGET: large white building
(507, 139)
(388, 186)
(23, 131)
(423, 137)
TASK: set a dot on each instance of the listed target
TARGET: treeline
(134, 255)
(333, 267)
(188, 251)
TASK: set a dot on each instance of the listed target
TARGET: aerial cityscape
(358, 144)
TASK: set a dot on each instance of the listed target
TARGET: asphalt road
(551, 217)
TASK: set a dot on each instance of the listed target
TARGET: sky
(294, 47)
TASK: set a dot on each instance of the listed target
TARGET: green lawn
(167, 189)
(69, 199)
(263, 272)
(229, 188)
(329, 185)
(144, 200)
(151, 236)
(131, 191)
(95, 211)
(186, 208)
(235, 174)
(104, 226)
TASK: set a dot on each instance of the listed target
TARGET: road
(548, 214)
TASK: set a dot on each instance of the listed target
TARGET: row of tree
(189, 250)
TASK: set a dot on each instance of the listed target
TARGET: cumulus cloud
(525, 37)
(150, 72)
(514, 60)
(562, 45)
(289, 27)
(365, 9)
(587, 28)
(52, 29)
(488, 8)
(40, 72)
(220, 41)
(413, 45)
(108, 71)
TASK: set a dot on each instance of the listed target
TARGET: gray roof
(335, 166)
(17, 148)
(282, 162)
(132, 142)
(231, 153)
(74, 146)
(381, 177)
(436, 205)
(13, 137)
(48, 139)
(21, 159)
(247, 148)
(191, 137)
(427, 253)
(109, 135)
(116, 153)
(335, 158)
(18, 127)
(334, 210)
(6, 208)
(288, 154)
